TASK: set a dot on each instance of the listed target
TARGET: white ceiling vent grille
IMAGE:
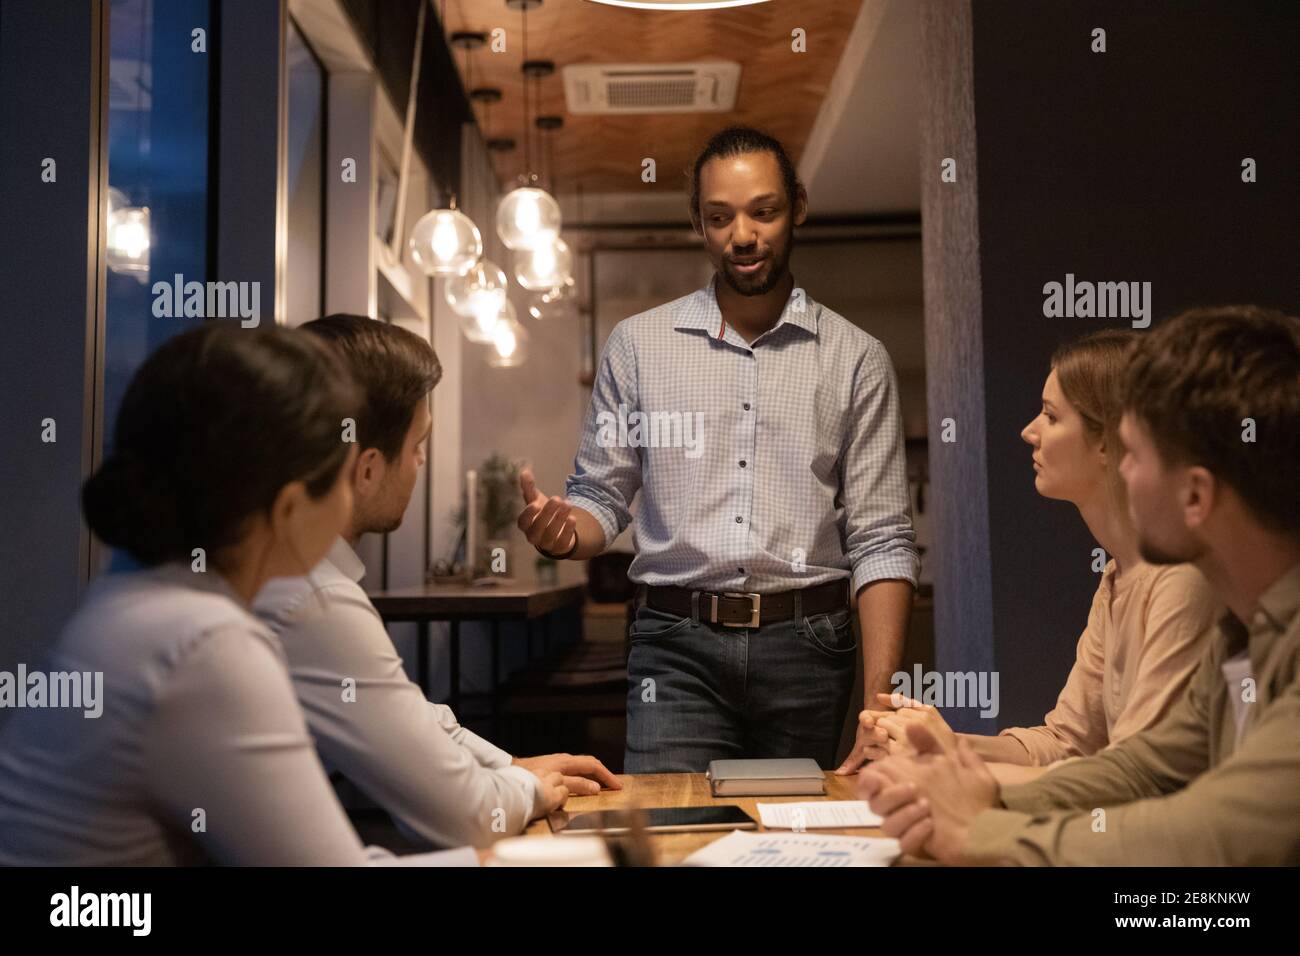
(651, 87)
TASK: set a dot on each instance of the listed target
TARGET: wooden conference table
(692, 790)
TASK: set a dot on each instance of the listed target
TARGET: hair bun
(132, 505)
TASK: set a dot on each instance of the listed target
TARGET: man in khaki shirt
(1217, 782)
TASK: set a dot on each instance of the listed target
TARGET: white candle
(471, 523)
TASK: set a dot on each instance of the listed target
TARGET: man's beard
(763, 281)
(1154, 554)
(382, 516)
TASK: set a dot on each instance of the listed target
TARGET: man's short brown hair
(395, 368)
(1198, 381)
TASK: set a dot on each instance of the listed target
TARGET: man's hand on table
(876, 739)
(871, 743)
(930, 799)
(896, 713)
(582, 775)
(553, 791)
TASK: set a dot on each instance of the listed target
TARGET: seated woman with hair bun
(228, 468)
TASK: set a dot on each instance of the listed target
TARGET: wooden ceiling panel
(780, 91)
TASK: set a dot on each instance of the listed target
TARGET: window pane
(157, 176)
(306, 154)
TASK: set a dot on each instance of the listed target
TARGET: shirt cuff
(607, 519)
(529, 780)
(899, 564)
(1032, 741)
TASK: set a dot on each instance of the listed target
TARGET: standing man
(764, 432)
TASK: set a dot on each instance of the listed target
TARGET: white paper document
(817, 814)
(741, 848)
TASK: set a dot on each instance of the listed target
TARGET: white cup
(550, 851)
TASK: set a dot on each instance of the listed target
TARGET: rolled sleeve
(606, 473)
(879, 539)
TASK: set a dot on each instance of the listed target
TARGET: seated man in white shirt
(441, 783)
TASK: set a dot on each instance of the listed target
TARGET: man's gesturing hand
(547, 523)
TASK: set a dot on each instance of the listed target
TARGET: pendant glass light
(545, 266)
(466, 293)
(528, 216)
(478, 298)
(128, 236)
(445, 242)
(562, 292)
(554, 302)
(509, 346)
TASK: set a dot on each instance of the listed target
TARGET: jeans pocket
(831, 633)
(651, 624)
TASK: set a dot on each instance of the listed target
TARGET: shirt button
(747, 406)
(742, 463)
(739, 519)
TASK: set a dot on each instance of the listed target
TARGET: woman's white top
(200, 753)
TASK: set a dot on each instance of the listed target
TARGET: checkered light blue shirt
(762, 467)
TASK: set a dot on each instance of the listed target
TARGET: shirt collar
(1273, 615)
(181, 572)
(1282, 599)
(702, 311)
(345, 560)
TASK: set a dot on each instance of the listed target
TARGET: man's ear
(800, 206)
(1200, 494)
(370, 470)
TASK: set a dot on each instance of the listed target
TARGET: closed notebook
(765, 778)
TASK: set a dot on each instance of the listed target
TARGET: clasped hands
(926, 782)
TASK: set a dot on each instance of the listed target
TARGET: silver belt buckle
(755, 602)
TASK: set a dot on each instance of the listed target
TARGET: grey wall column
(954, 349)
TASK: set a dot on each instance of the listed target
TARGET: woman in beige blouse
(1147, 623)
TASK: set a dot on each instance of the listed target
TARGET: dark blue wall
(49, 72)
(1116, 166)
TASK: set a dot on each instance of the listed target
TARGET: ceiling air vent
(708, 87)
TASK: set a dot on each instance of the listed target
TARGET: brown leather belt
(746, 609)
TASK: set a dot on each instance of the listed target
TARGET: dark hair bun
(133, 506)
(213, 425)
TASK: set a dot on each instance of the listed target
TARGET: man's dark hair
(1195, 379)
(734, 141)
(395, 368)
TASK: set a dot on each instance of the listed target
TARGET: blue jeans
(699, 692)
